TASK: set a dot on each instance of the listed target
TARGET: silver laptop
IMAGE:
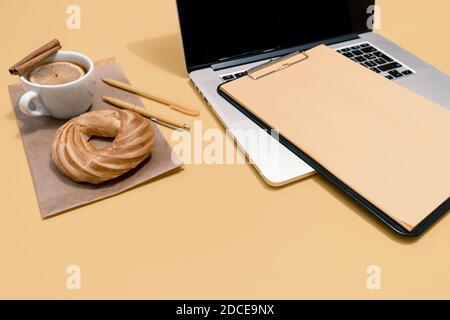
(223, 40)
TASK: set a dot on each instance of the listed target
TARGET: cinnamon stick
(34, 58)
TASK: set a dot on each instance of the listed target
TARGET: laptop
(221, 42)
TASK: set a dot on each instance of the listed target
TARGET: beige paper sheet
(55, 192)
(390, 145)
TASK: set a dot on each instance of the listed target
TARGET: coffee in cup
(54, 73)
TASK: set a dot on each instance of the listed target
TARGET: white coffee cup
(61, 101)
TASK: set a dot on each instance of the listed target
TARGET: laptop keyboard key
(364, 45)
(407, 72)
(360, 59)
(370, 64)
(380, 61)
(390, 77)
(370, 56)
(375, 70)
(355, 47)
(348, 54)
(240, 74)
(382, 55)
(228, 77)
(357, 52)
(390, 66)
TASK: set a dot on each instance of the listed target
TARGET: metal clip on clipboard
(253, 73)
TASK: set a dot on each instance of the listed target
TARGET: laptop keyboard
(370, 57)
(366, 55)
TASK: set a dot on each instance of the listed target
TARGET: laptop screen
(213, 31)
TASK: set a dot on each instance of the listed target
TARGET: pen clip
(171, 126)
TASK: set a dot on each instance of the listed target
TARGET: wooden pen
(142, 111)
(143, 93)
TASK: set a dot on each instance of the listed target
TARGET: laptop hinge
(232, 62)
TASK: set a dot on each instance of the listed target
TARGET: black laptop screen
(213, 30)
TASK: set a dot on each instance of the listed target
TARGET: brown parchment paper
(57, 193)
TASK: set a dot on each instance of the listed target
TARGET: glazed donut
(79, 160)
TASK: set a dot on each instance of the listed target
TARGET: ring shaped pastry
(79, 160)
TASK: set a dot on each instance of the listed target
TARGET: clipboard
(383, 145)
